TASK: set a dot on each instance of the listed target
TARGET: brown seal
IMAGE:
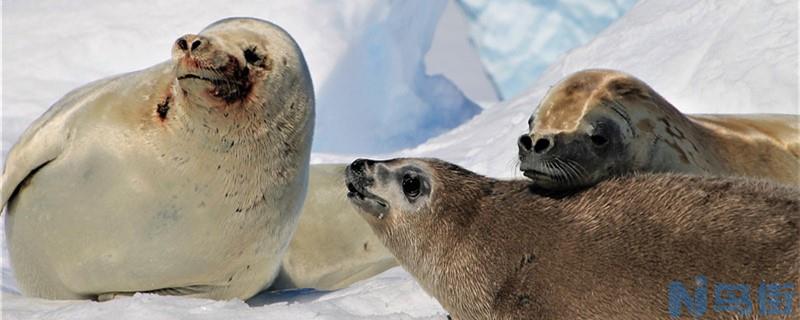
(595, 124)
(492, 249)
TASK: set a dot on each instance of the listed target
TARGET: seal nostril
(182, 44)
(196, 44)
(525, 142)
(541, 145)
(358, 165)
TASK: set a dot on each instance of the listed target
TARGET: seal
(333, 247)
(493, 249)
(596, 124)
(185, 178)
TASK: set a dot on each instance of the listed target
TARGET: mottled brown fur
(491, 249)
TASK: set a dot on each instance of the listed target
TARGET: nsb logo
(771, 298)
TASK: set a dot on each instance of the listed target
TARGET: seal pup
(332, 247)
(492, 249)
(595, 124)
(185, 178)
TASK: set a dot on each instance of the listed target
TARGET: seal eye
(251, 56)
(598, 140)
(411, 186)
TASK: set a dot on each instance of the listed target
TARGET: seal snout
(527, 145)
(191, 43)
(358, 179)
(541, 159)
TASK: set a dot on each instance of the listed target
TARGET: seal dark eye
(411, 186)
(598, 140)
(251, 56)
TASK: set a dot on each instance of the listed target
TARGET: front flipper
(188, 291)
(39, 145)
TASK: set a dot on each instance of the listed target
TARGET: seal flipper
(24, 160)
(45, 139)
(177, 291)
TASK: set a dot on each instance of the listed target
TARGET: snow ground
(727, 56)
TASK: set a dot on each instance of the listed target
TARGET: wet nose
(543, 144)
(525, 143)
(191, 42)
(360, 165)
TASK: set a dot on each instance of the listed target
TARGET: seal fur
(185, 178)
(492, 249)
(597, 124)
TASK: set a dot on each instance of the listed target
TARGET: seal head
(582, 131)
(405, 187)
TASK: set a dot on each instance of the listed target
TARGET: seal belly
(183, 235)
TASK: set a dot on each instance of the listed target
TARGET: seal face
(597, 124)
(408, 187)
(582, 133)
(185, 178)
(492, 249)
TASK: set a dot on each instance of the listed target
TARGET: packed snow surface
(705, 57)
(519, 39)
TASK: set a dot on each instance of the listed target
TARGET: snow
(705, 57)
(519, 39)
(390, 295)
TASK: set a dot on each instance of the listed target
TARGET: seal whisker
(566, 172)
(570, 165)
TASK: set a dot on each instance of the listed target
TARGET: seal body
(597, 124)
(332, 247)
(491, 249)
(185, 178)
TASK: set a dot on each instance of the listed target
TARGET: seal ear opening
(598, 140)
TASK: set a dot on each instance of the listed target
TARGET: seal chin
(553, 179)
(366, 201)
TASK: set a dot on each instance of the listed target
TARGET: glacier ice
(519, 39)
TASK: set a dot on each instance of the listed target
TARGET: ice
(453, 55)
(382, 98)
(727, 56)
(519, 39)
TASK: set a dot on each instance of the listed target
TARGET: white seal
(185, 178)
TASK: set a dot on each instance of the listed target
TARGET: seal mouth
(230, 82)
(536, 174)
(353, 192)
(358, 194)
(194, 76)
(554, 173)
(361, 195)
